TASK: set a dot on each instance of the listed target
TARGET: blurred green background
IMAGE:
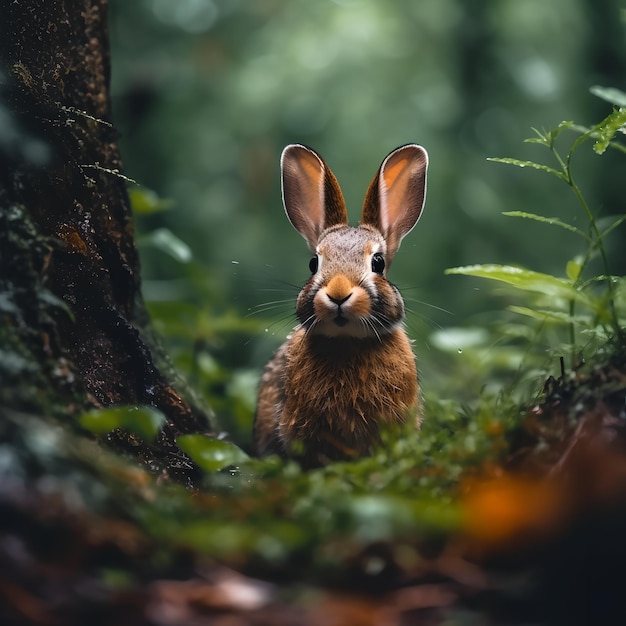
(206, 93)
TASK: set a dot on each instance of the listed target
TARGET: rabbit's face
(348, 294)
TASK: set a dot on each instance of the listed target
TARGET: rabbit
(347, 370)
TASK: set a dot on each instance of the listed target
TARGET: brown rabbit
(347, 369)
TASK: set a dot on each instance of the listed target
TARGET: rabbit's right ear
(311, 195)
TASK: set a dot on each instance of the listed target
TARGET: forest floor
(541, 539)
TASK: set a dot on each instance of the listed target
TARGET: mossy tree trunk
(73, 327)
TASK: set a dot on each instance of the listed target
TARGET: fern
(573, 301)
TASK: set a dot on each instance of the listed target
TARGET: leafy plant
(588, 307)
(144, 421)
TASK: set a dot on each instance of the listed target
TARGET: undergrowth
(579, 311)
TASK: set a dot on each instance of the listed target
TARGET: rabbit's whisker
(370, 323)
(428, 304)
(267, 306)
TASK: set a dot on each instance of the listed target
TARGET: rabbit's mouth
(340, 320)
(341, 313)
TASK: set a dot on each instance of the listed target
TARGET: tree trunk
(74, 332)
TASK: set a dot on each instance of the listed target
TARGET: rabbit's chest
(343, 391)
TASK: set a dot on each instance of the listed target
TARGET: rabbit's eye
(313, 264)
(378, 263)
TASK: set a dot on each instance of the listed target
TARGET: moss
(36, 376)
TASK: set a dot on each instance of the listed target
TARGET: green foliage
(144, 421)
(163, 239)
(211, 454)
(526, 280)
(204, 340)
(270, 512)
(147, 202)
(589, 308)
(29, 375)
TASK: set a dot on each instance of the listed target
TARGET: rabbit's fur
(348, 368)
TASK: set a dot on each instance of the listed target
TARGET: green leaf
(542, 138)
(146, 202)
(573, 269)
(548, 138)
(526, 280)
(586, 133)
(211, 454)
(610, 94)
(564, 125)
(547, 220)
(606, 129)
(552, 316)
(145, 421)
(457, 339)
(531, 164)
(166, 241)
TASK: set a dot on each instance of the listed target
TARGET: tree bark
(74, 332)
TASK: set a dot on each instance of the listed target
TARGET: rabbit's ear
(311, 195)
(395, 197)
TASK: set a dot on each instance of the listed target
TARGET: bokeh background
(206, 93)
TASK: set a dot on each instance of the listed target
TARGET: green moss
(32, 379)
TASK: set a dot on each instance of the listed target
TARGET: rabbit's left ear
(395, 198)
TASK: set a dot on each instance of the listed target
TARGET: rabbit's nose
(338, 289)
(338, 301)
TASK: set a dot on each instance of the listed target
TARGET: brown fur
(335, 394)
